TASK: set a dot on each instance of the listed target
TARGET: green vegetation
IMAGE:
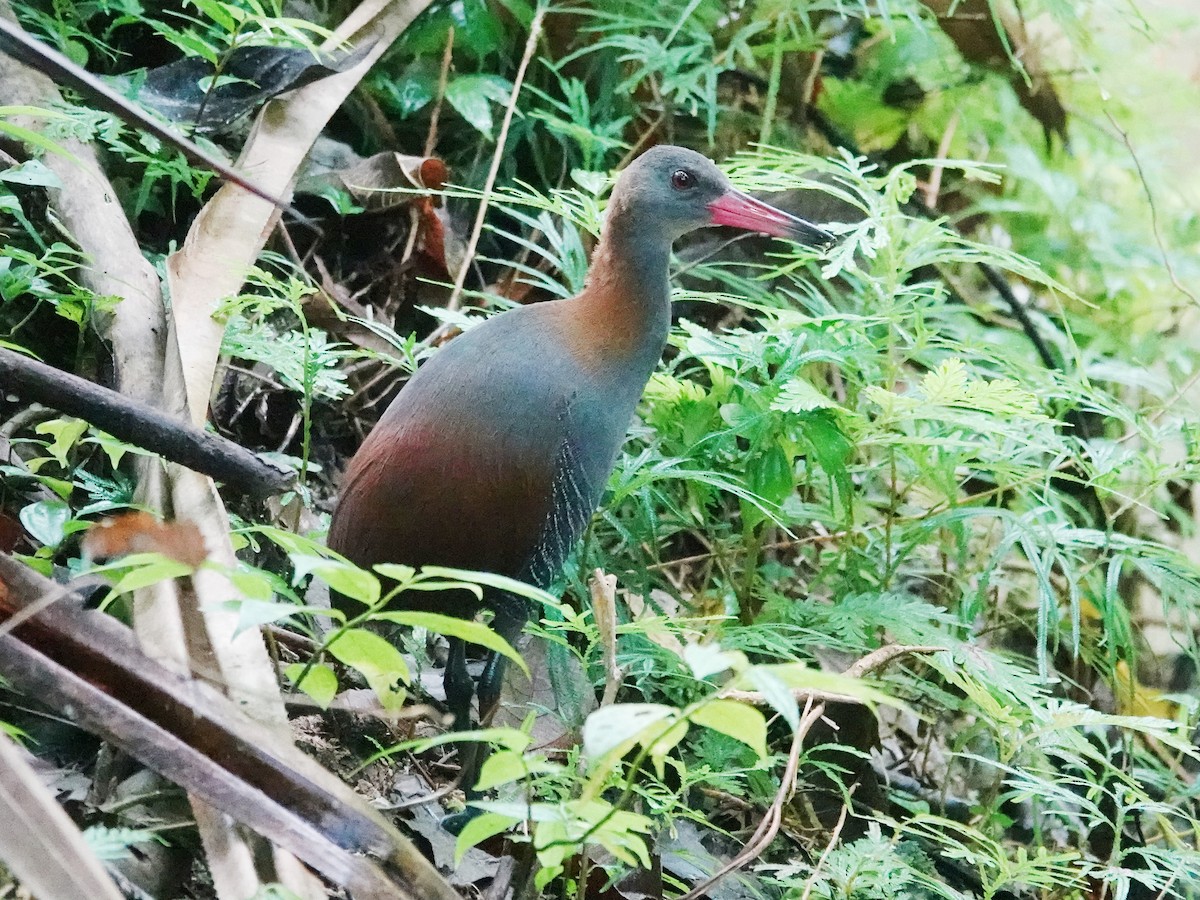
(873, 448)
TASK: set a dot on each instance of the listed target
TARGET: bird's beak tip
(743, 211)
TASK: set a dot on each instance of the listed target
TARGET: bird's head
(678, 190)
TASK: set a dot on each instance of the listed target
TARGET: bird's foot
(456, 822)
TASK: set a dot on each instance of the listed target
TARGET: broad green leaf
(343, 577)
(737, 720)
(472, 97)
(255, 613)
(499, 768)
(658, 747)
(622, 725)
(114, 448)
(778, 694)
(710, 659)
(479, 829)
(396, 572)
(799, 676)
(320, 683)
(770, 474)
(466, 629)
(46, 520)
(377, 660)
(66, 433)
(832, 450)
(500, 582)
(139, 570)
(33, 172)
(506, 766)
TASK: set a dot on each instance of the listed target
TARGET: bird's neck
(627, 300)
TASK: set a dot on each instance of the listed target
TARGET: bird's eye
(682, 180)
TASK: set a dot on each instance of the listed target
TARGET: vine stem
(814, 709)
(535, 32)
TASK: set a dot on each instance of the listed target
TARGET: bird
(495, 454)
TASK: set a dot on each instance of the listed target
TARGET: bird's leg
(458, 684)
(459, 690)
(511, 617)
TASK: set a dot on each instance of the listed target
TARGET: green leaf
(320, 682)
(832, 450)
(506, 766)
(114, 448)
(415, 88)
(623, 725)
(46, 521)
(710, 659)
(33, 172)
(776, 693)
(396, 572)
(378, 661)
(479, 829)
(664, 743)
(469, 631)
(500, 582)
(737, 720)
(799, 395)
(508, 738)
(255, 613)
(472, 97)
(66, 433)
(770, 474)
(112, 844)
(343, 577)
(139, 570)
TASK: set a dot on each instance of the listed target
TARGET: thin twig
(141, 425)
(769, 827)
(33, 53)
(414, 214)
(535, 31)
(833, 839)
(25, 613)
(443, 77)
(934, 187)
(603, 589)
(1158, 239)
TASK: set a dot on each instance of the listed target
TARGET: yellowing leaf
(736, 720)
